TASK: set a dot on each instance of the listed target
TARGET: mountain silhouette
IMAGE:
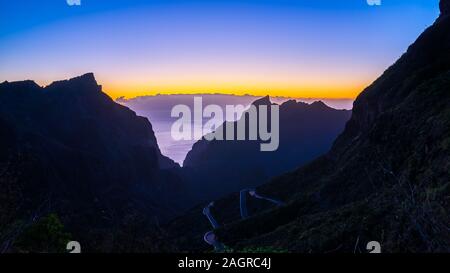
(385, 179)
(306, 131)
(69, 149)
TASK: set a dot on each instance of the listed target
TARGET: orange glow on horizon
(129, 88)
(324, 92)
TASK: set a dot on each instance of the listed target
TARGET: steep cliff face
(305, 132)
(69, 149)
(385, 178)
(444, 5)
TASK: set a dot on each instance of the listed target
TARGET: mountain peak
(289, 103)
(87, 79)
(20, 85)
(84, 82)
(262, 101)
(319, 104)
(444, 6)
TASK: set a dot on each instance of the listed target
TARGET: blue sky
(284, 47)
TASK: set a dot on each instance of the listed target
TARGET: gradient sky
(303, 48)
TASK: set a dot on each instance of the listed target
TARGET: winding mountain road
(276, 202)
(207, 213)
(210, 237)
(252, 193)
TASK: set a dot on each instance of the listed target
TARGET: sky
(302, 48)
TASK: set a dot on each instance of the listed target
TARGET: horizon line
(228, 94)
